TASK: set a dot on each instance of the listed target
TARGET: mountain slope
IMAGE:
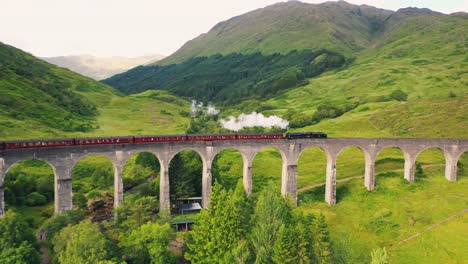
(229, 78)
(35, 90)
(100, 68)
(283, 27)
(40, 100)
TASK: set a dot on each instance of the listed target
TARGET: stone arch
(203, 179)
(387, 159)
(257, 175)
(146, 157)
(115, 172)
(312, 170)
(320, 177)
(461, 164)
(346, 168)
(354, 173)
(424, 159)
(8, 167)
(235, 155)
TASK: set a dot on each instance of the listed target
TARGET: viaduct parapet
(64, 159)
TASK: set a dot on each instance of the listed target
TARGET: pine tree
(271, 211)
(219, 228)
(322, 245)
(285, 248)
(305, 239)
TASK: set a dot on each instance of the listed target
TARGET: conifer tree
(286, 247)
(271, 211)
(322, 245)
(305, 239)
(219, 228)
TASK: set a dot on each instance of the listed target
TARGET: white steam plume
(209, 110)
(253, 120)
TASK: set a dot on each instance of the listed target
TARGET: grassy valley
(364, 71)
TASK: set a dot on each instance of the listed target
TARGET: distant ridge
(100, 68)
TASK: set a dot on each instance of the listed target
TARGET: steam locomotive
(65, 142)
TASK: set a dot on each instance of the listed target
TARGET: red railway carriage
(160, 138)
(212, 137)
(39, 143)
(104, 140)
(257, 136)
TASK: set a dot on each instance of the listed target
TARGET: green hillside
(287, 26)
(230, 78)
(39, 100)
(417, 51)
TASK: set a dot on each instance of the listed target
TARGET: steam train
(65, 142)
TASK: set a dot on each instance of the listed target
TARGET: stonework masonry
(64, 159)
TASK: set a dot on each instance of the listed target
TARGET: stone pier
(63, 159)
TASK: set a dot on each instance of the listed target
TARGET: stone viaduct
(63, 160)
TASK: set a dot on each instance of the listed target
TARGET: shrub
(399, 95)
(35, 198)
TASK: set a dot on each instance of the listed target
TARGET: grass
(395, 210)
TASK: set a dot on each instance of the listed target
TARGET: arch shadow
(430, 161)
(389, 163)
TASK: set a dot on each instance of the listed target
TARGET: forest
(228, 79)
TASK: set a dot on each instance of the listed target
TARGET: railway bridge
(63, 160)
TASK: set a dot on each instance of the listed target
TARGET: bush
(35, 199)
(399, 95)
(332, 111)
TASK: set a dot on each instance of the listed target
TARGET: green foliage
(93, 172)
(30, 183)
(399, 95)
(25, 253)
(82, 243)
(139, 168)
(149, 244)
(229, 78)
(271, 211)
(186, 175)
(135, 211)
(322, 243)
(331, 111)
(205, 124)
(220, 227)
(35, 198)
(285, 247)
(17, 241)
(380, 256)
(57, 222)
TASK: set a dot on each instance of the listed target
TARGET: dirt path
(432, 226)
(306, 188)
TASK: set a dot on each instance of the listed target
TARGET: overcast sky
(136, 27)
